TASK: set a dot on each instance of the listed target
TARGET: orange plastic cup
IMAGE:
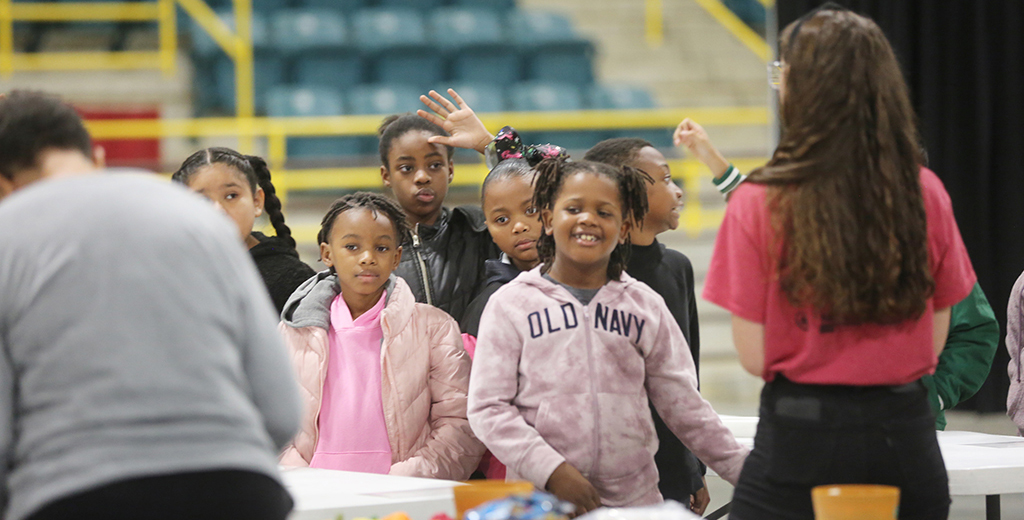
(855, 502)
(477, 492)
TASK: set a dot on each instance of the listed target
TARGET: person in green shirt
(973, 330)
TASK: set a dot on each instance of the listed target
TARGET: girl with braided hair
(386, 376)
(240, 186)
(577, 345)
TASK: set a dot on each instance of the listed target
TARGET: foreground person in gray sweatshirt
(141, 374)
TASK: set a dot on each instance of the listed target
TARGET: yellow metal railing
(236, 44)
(693, 219)
(276, 131)
(160, 11)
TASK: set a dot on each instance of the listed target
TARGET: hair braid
(271, 202)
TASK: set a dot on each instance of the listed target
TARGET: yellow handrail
(236, 44)
(654, 23)
(734, 25)
(694, 218)
(160, 11)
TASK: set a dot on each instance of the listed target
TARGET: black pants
(213, 495)
(810, 435)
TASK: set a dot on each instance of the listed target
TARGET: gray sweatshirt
(136, 339)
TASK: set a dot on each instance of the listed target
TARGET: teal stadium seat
(268, 65)
(618, 97)
(311, 102)
(552, 96)
(423, 5)
(481, 97)
(421, 67)
(551, 49)
(532, 27)
(496, 5)
(473, 44)
(344, 6)
(317, 44)
(393, 43)
(382, 100)
(299, 30)
(621, 97)
(380, 29)
(454, 28)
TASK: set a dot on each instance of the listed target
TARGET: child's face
(230, 192)
(664, 198)
(513, 220)
(419, 175)
(363, 249)
(586, 221)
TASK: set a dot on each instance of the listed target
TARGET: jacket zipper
(422, 264)
(593, 393)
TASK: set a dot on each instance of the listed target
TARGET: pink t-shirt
(353, 436)
(797, 344)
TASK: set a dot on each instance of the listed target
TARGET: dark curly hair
(619, 152)
(551, 174)
(31, 122)
(376, 203)
(504, 170)
(844, 183)
(256, 173)
(395, 126)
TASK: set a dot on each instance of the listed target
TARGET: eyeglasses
(775, 74)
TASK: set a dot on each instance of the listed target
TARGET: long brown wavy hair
(844, 186)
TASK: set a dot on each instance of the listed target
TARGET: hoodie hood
(310, 304)
(611, 291)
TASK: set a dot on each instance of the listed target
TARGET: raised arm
(696, 140)
(464, 128)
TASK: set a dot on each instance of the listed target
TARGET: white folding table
(322, 494)
(977, 463)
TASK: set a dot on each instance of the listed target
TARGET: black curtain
(964, 64)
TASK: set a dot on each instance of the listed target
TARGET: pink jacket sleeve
(495, 419)
(672, 387)
(452, 452)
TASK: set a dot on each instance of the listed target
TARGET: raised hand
(464, 128)
(696, 140)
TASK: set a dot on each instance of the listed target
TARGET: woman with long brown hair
(839, 261)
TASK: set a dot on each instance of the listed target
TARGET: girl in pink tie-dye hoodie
(569, 352)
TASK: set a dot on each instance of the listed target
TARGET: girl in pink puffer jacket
(384, 378)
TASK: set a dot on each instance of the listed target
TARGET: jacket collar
(310, 304)
(611, 291)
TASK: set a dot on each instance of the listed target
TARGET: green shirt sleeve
(966, 360)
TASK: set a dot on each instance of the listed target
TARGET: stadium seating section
(338, 57)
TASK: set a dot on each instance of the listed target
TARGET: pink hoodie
(424, 377)
(555, 381)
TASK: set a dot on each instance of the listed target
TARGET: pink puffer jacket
(424, 377)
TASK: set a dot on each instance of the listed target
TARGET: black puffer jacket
(280, 267)
(444, 263)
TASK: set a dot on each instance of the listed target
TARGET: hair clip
(508, 145)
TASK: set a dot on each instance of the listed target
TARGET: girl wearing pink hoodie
(384, 378)
(569, 352)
